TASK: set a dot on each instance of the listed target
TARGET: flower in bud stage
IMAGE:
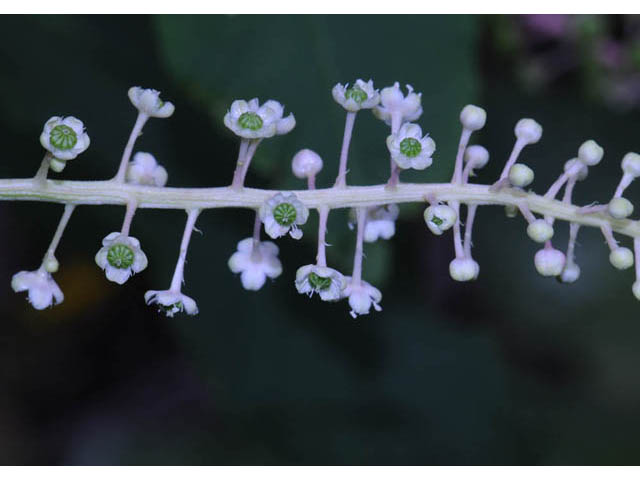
(283, 213)
(148, 102)
(120, 257)
(306, 163)
(42, 289)
(144, 170)
(476, 155)
(579, 168)
(65, 138)
(362, 95)
(439, 218)
(473, 118)
(255, 262)
(620, 207)
(393, 102)
(409, 149)
(325, 281)
(362, 296)
(511, 211)
(549, 262)
(252, 120)
(621, 258)
(520, 175)
(51, 264)
(540, 231)
(528, 131)
(464, 269)
(381, 223)
(590, 153)
(570, 273)
(636, 289)
(631, 164)
(170, 302)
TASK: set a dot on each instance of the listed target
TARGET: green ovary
(250, 121)
(437, 220)
(285, 214)
(410, 147)
(120, 256)
(357, 94)
(318, 282)
(63, 137)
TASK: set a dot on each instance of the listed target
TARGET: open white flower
(43, 290)
(255, 263)
(362, 95)
(120, 257)
(252, 120)
(409, 149)
(325, 281)
(144, 170)
(283, 213)
(147, 101)
(362, 296)
(64, 137)
(393, 102)
(381, 222)
(171, 302)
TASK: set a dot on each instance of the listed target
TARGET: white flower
(439, 218)
(147, 101)
(409, 149)
(252, 120)
(325, 281)
(283, 213)
(144, 170)
(64, 137)
(43, 290)
(392, 101)
(361, 95)
(381, 222)
(120, 257)
(255, 263)
(171, 302)
(362, 296)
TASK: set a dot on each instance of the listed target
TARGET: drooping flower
(42, 289)
(144, 170)
(380, 223)
(171, 302)
(393, 102)
(283, 213)
(362, 95)
(252, 120)
(120, 257)
(255, 263)
(362, 296)
(64, 137)
(148, 101)
(325, 281)
(409, 149)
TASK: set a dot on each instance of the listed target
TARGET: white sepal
(255, 263)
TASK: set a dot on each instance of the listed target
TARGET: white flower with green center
(362, 296)
(409, 149)
(144, 170)
(42, 289)
(170, 302)
(380, 222)
(120, 257)
(361, 96)
(148, 102)
(283, 213)
(394, 103)
(252, 120)
(255, 263)
(325, 281)
(64, 137)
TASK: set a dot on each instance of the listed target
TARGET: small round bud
(621, 258)
(549, 262)
(476, 155)
(579, 169)
(540, 231)
(528, 130)
(464, 269)
(620, 207)
(631, 164)
(306, 163)
(51, 264)
(511, 211)
(520, 175)
(57, 165)
(636, 290)
(570, 273)
(590, 153)
(439, 218)
(473, 118)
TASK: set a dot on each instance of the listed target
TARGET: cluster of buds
(287, 212)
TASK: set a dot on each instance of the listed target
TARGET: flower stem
(468, 229)
(41, 175)
(462, 146)
(178, 274)
(515, 152)
(57, 236)
(341, 180)
(323, 216)
(128, 217)
(356, 276)
(128, 149)
(243, 166)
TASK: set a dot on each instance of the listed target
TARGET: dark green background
(513, 368)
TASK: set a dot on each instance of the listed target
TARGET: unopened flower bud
(621, 258)
(549, 262)
(439, 218)
(636, 290)
(576, 168)
(464, 269)
(540, 231)
(520, 175)
(631, 164)
(57, 165)
(620, 207)
(528, 130)
(570, 273)
(511, 211)
(473, 118)
(476, 155)
(590, 153)
(306, 163)
(51, 264)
